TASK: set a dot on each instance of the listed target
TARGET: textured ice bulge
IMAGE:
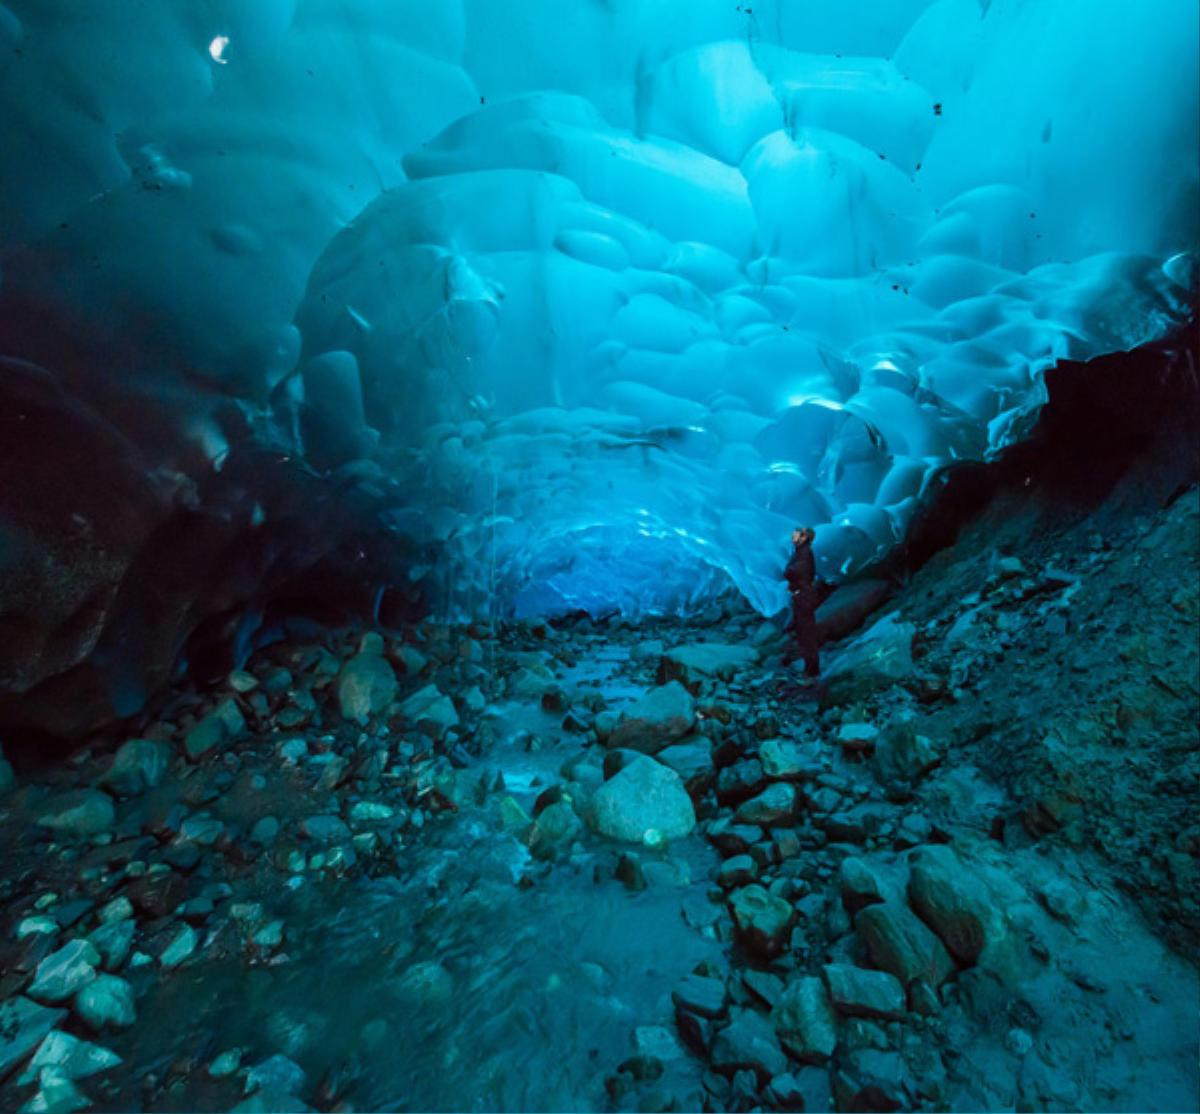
(617, 291)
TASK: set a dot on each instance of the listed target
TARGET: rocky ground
(647, 867)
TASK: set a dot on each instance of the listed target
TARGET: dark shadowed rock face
(116, 569)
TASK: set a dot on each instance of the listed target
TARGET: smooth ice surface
(620, 291)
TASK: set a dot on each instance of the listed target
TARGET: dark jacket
(801, 571)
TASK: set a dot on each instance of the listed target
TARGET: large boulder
(664, 714)
(900, 943)
(366, 686)
(643, 797)
(956, 902)
(880, 657)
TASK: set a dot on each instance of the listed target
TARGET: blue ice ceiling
(619, 290)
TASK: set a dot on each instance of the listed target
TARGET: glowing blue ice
(620, 290)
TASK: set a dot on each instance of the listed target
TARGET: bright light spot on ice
(217, 49)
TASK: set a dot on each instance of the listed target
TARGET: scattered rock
(225, 724)
(643, 797)
(860, 885)
(748, 1043)
(23, 1024)
(431, 711)
(785, 761)
(700, 995)
(105, 1003)
(74, 1058)
(180, 948)
(276, 1075)
(900, 943)
(56, 1094)
(86, 812)
(774, 805)
(113, 941)
(805, 1022)
(138, 765)
(858, 738)
(64, 972)
(366, 686)
(856, 992)
(762, 919)
(325, 830)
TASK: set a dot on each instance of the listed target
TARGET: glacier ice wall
(608, 294)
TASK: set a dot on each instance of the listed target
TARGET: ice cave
(599, 555)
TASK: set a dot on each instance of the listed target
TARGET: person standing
(801, 576)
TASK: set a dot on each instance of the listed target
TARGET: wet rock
(265, 831)
(225, 724)
(74, 1058)
(85, 812)
(786, 761)
(872, 1079)
(748, 1043)
(733, 839)
(201, 829)
(774, 805)
(276, 1075)
(903, 755)
(880, 657)
(700, 995)
(692, 760)
(366, 686)
(56, 1094)
(553, 831)
(181, 947)
(643, 797)
(370, 812)
(737, 871)
(64, 972)
(857, 738)
(656, 1042)
(138, 765)
(856, 992)
(432, 711)
(113, 941)
(325, 830)
(23, 1024)
(157, 894)
(740, 781)
(860, 885)
(664, 714)
(805, 1022)
(703, 661)
(953, 900)
(763, 920)
(900, 943)
(106, 1003)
